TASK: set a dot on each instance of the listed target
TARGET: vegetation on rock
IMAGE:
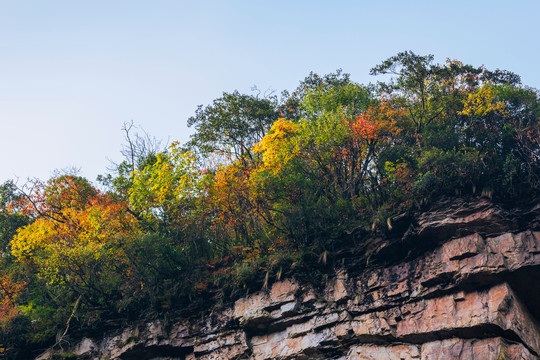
(264, 187)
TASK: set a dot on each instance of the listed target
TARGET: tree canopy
(265, 187)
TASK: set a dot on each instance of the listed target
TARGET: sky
(73, 72)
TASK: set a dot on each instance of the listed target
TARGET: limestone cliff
(461, 281)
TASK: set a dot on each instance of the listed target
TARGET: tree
(166, 187)
(167, 197)
(232, 125)
(429, 91)
(328, 156)
(11, 218)
(138, 151)
(316, 93)
(424, 89)
(72, 244)
(339, 132)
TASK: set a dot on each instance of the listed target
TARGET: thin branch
(61, 338)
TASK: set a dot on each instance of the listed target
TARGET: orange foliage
(230, 197)
(8, 293)
(75, 224)
(375, 123)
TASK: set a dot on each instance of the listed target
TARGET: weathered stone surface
(494, 311)
(224, 346)
(377, 352)
(457, 262)
(475, 349)
(337, 290)
(299, 339)
(254, 311)
(472, 295)
(449, 349)
(457, 218)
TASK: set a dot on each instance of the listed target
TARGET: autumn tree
(431, 92)
(317, 167)
(339, 135)
(73, 241)
(263, 187)
(164, 193)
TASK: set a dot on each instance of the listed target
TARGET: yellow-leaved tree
(75, 240)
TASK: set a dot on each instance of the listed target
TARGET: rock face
(468, 287)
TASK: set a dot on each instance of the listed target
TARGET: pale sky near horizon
(72, 72)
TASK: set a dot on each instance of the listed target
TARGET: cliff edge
(460, 281)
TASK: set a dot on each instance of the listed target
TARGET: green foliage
(44, 322)
(232, 125)
(447, 172)
(10, 221)
(14, 332)
(349, 97)
(161, 272)
(293, 108)
(165, 185)
(412, 72)
(263, 189)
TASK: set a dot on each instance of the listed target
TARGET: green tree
(10, 218)
(324, 92)
(232, 125)
(138, 151)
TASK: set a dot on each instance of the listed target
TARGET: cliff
(460, 281)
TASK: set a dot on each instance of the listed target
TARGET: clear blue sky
(73, 71)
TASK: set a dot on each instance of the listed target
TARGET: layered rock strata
(470, 289)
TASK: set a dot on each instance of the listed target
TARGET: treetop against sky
(74, 72)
